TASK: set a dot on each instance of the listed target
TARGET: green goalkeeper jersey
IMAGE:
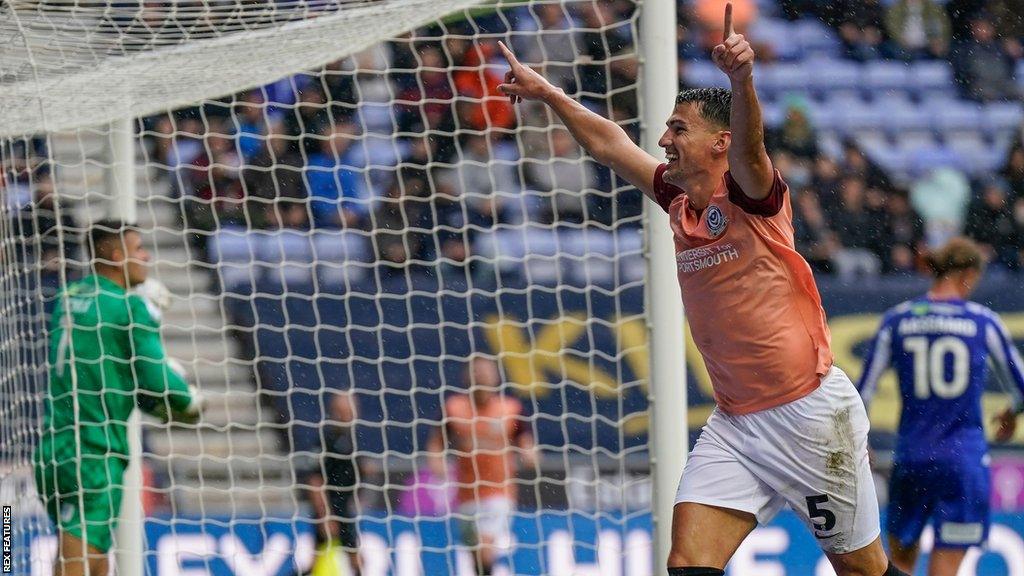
(110, 359)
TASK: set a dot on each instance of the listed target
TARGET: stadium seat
(974, 153)
(341, 258)
(929, 76)
(813, 37)
(831, 74)
(884, 75)
(285, 257)
(908, 118)
(232, 253)
(957, 116)
(784, 77)
(702, 73)
(998, 117)
(779, 35)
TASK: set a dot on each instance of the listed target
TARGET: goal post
(342, 206)
(669, 428)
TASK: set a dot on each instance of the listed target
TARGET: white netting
(360, 230)
(78, 63)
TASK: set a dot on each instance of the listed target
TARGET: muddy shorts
(811, 454)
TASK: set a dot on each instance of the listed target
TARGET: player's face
(136, 259)
(691, 144)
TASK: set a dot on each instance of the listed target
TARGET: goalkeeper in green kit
(105, 358)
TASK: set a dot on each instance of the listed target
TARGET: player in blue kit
(942, 346)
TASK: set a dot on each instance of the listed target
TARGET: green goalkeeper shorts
(91, 512)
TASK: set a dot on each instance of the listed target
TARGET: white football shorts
(811, 453)
(490, 521)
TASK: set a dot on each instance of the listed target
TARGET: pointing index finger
(727, 30)
(508, 54)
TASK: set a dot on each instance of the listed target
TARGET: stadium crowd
(411, 144)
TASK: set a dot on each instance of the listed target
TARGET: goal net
(348, 228)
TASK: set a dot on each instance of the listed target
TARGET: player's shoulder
(980, 310)
(902, 309)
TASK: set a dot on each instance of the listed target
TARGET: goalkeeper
(105, 357)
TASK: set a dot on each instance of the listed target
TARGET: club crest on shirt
(716, 221)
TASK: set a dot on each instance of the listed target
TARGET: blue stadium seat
(285, 257)
(999, 117)
(909, 118)
(885, 75)
(975, 154)
(830, 74)
(784, 77)
(232, 251)
(929, 76)
(342, 258)
(862, 117)
(959, 116)
(779, 35)
(814, 37)
(702, 73)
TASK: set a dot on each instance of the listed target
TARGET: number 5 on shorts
(826, 517)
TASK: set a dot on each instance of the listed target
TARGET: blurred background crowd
(410, 143)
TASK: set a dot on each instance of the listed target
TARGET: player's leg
(910, 506)
(76, 558)
(961, 516)
(868, 560)
(946, 561)
(718, 503)
(904, 556)
(493, 531)
(691, 545)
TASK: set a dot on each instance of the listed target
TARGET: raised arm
(603, 139)
(748, 160)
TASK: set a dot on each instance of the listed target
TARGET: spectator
(815, 241)
(990, 222)
(566, 175)
(47, 238)
(708, 15)
(485, 430)
(941, 197)
(856, 229)
(404, 216)
(213, 194)
(906, 232)
(826, 180)
(481, 106)
(250, 123)
(552, 47)
(856, 163)
(1013, 171)
(308, 119)
(860, 29)
(983, 71)
(274, 172)
(796, 134)
(332, 488)
(428, 102)
(1006, 15)
(918, 28)
(336, 186)
(606, 48)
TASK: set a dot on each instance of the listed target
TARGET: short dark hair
(102, 232)
(713, 104)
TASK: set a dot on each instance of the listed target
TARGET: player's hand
(522, 82)
(734, 56)
(1007, 422)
